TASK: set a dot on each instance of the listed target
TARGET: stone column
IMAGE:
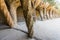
(13, 9)
(6, 13)
(54, 14)
(13, 13)
(47, 13)
(51, 13)
(27, 11)
(44, 13)
(41, 14)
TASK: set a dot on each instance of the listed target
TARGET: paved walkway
(44, 30)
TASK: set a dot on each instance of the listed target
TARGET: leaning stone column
(44, 15)
(41, 13)
(51, 13)
(54, 14)
(13, 13)
(47, 14)
(27, 11)
(13, 8)
(6, 13)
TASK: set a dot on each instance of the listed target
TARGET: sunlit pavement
(44, 30)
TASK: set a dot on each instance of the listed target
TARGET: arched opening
(20, 16)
